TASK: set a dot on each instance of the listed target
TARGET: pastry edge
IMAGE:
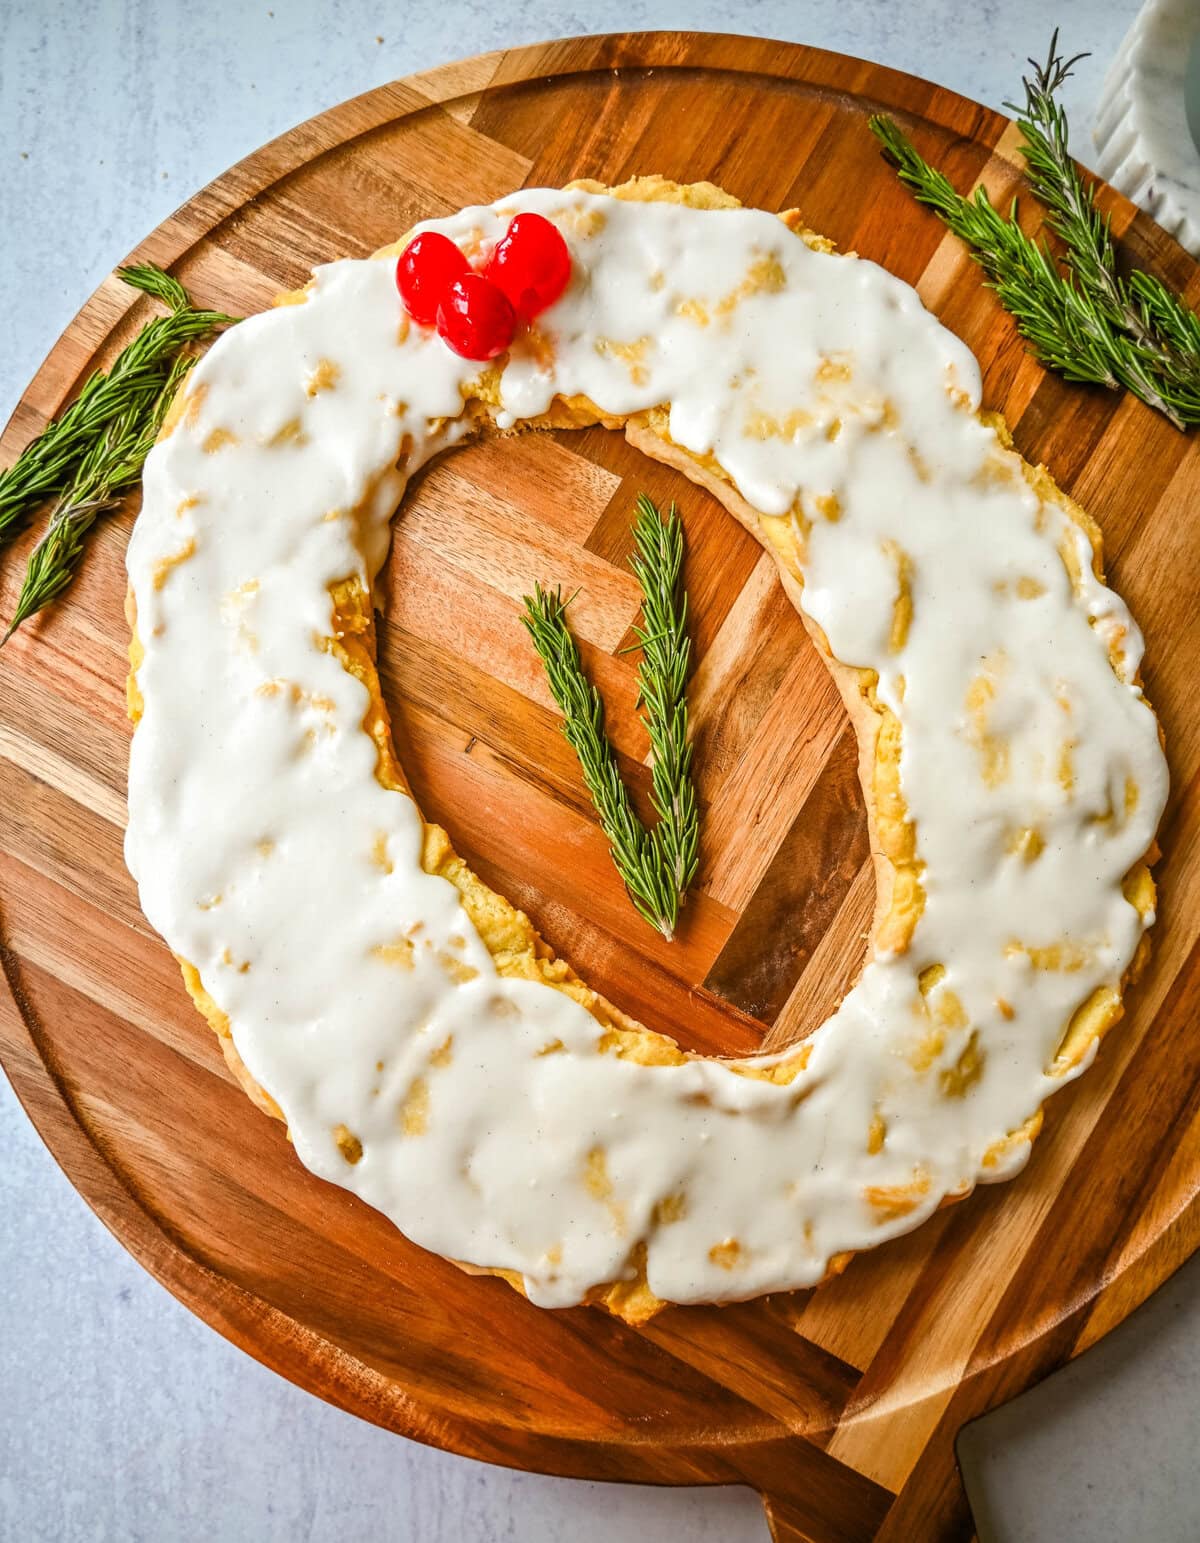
(512, 939)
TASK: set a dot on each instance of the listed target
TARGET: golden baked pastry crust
(509, 935)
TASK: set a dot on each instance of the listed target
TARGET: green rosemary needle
(657, 866)
(47, 465)
(110, 467)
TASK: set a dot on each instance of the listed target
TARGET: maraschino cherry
(427, 267)
(531, 264)
(475, 318)
(476, 314)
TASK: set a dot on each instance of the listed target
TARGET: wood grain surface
(842, 1405)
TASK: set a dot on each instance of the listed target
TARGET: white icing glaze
(255, 816)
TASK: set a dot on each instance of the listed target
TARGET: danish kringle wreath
(425, 1047)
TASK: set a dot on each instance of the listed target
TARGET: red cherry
(475, 318)
(425, 270)
(531, 264)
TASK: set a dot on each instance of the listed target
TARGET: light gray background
(121, 1416)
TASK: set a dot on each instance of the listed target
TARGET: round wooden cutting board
(840, 1406)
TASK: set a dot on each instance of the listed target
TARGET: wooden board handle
(932, 1506)
(784, 1525)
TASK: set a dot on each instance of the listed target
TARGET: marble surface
(121, 1416)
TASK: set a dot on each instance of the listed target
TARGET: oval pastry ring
(426, 1050)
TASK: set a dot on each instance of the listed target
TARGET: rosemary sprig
(657, 866)
(1056, 180)
(582, 708)
(662, 682)
(1142, 306)
(108, 470)
(47, 465)
(1087, 324)
(1065, 330)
